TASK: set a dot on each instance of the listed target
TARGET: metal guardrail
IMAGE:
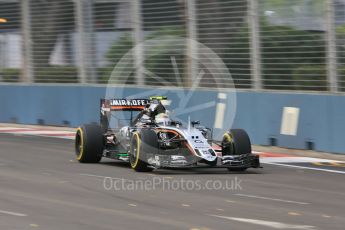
(249, 44)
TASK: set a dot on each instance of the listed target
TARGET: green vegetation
(51, 74)
(57, 74)
(157, 57)
(291, 58)
(286, 52)
(309, 78)
(10, 74)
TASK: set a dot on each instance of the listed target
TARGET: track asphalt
(43, 187)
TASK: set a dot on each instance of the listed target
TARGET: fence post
(192, 45)
(2, 56)
(138, 38)
(27, 70)
(85, 42)
(331, 47)
(255, 54)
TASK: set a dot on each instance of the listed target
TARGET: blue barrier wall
(321, 120)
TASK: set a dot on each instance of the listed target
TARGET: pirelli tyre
(143, 144)
(236, 142)
(89, 143)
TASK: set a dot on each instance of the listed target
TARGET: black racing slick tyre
(142, 144)
(89, 143)
(236, 142)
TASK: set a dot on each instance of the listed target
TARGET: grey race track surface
(43, 187)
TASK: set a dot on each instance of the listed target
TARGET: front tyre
(89, 143)
(142, 144)
(236, 142)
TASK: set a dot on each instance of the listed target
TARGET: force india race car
(151, 140)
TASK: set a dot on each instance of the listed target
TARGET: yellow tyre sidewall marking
(134, 165)
(81, 143)
(228, 137)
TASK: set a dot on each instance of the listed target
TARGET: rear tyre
(89, 143)
(143, 144)
(236, 142)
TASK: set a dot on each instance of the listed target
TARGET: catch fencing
(247, 44)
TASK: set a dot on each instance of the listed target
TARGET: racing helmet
(162, 118)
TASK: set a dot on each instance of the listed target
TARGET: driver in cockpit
(151, 111)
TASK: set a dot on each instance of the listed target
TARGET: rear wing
(123, 104)
(107, 106)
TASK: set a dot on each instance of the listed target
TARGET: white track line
(310, 168)
(271, 224)
(294, 160)
(269, 198)
(12, 213)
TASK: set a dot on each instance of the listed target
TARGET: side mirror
(195, 123)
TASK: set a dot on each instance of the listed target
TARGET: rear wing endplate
(111, 105)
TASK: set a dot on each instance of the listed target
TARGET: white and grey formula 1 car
(151, 140)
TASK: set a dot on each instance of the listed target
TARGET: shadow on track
(187, 171)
